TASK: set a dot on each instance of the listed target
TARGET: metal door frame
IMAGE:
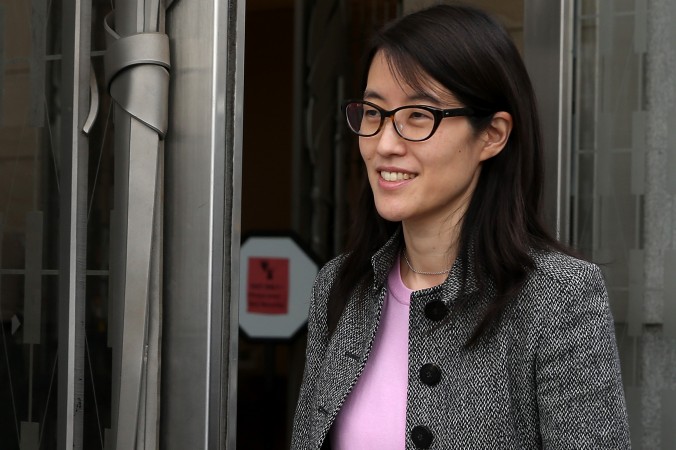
(73, 222)
(208, 264)
(202, 225)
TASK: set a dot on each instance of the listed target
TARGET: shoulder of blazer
(559, 285)
(562, 290)
(556, 268)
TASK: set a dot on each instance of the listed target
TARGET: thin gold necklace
(408, 263)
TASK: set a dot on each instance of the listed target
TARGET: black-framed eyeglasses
(412, 122)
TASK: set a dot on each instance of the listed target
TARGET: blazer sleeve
(317, 336)
(579, 388)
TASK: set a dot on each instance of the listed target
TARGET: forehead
(415, 83)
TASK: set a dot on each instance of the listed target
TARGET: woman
(455, 321)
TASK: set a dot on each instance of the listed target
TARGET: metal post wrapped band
(137, 75)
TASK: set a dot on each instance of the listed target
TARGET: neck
(428, 250)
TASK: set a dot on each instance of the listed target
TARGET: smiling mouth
(396, 176)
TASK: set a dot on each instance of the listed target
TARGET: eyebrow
(418, 97)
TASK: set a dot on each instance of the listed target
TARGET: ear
(495, 136)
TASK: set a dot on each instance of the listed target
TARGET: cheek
(366, 150)
(454, 166)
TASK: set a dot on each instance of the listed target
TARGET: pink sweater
(374, 414)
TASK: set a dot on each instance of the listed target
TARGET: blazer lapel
(346, 357)
(350, 345)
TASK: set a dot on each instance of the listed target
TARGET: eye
(371, 113)
(420, 114)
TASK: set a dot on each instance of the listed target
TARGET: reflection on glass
(620, 205)
(30, 188)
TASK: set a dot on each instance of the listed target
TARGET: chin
(390, 214)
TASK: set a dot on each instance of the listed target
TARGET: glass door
(623, 192)
(55, 192)
(89, 268)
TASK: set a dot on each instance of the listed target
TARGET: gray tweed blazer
(548, 377)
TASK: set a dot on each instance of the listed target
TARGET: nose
(389, 141)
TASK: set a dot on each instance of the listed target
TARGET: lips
(396, 176)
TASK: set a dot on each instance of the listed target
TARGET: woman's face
(419, 182)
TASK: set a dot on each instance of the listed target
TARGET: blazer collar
(383, 260)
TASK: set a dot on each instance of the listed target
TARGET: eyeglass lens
(411, 122)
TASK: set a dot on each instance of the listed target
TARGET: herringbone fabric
(547, 377)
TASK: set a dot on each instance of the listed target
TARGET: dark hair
(471, 55)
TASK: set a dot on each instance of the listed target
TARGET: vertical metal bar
(152, 372)
(639, 123)
(33, 279)
(216, 364)
(118, 257)
(233, 205)
(32, 316)
(73, 223)
(299, 186)
(226, 146)
(113, 320)
(576, 136)
(143, 161)
(137, 266)
(37, 62)
(596, 199)
(187, 229)
(548, 40)
(2, 58)
(202, 226)
(634, 317)
(565, 134)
